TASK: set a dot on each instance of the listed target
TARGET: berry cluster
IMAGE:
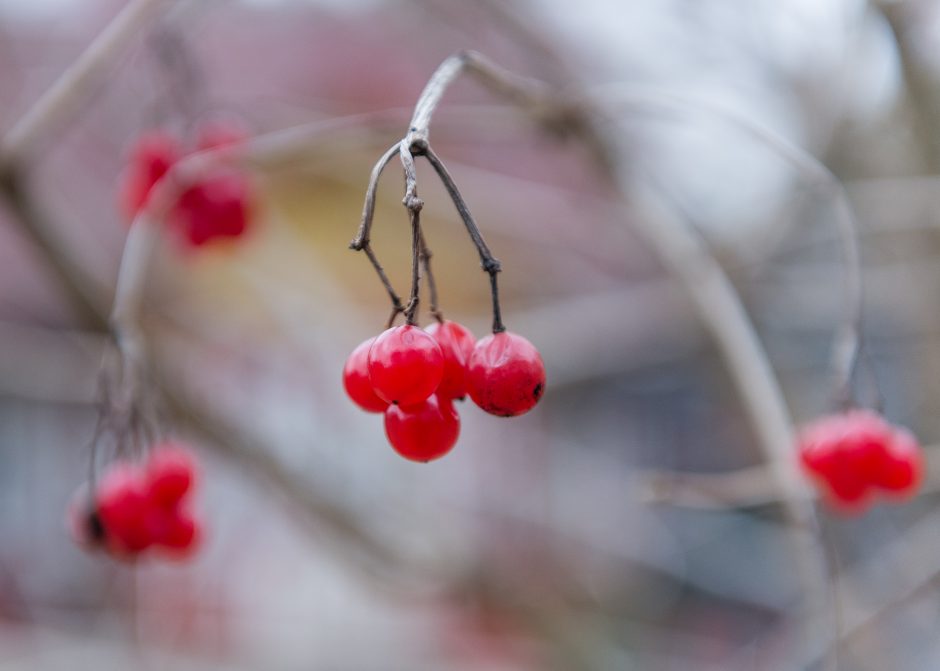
(856, 454)
(414, 375)
(218, 206)
(136, 507)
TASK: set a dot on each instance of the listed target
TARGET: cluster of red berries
(414, 375)
(856, 454)
(218, 206)
(136, 507)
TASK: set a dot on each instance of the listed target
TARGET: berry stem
(432, 285)
(361, 241)
(414, 205)
(490, 264)
(411, 310)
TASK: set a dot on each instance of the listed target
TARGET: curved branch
(78, 79)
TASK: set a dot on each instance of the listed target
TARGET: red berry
(456, 344)
(182, 535)
(217, 207)
(152, 156)
(505, 374)
(405, 365)
(856, 453)
(425, 431)
(171, 472)
(903, 467)
(356, 379)
(123, 509)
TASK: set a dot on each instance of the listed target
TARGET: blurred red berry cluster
(414, 375)
(136, 507)
(857, 454)
(217, 206)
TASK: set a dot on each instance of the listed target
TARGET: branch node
(413, 203)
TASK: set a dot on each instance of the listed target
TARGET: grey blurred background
(543, 542)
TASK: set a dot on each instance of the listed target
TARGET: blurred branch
(723, 315)
(920, 86)
(847, 340)
(78, 80)
(744, 488)
(83, 296)
(559, 114)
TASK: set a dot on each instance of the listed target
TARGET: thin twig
(362, 240)
(414, 204)
(425, 253)
(560, 115)
(545, 105)
(847, 339)
(414, 300)
(746, 487)
(368, 208)
(723, 315)
(78, 80)
(83, 296)
(490, 264)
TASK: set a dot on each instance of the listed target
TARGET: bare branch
(847, 340)
(79, 79)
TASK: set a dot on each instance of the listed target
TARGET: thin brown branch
(490, 264)
(425, 253)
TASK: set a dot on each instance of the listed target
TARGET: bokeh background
(628, 522)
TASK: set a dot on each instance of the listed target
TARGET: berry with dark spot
(505, 374)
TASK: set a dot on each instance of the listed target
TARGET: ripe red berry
(856, 453)
(356, 379)
(171, 472)
(505, 374)
(182, 535)
(217, 207)
(123, 508)
(456, 342)
(405, 365)
(152, 156)
(903, 467)
(425, 431)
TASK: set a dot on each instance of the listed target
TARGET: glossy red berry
(425, 431)
(152, 156)
(505, 374)
(456, 343)
(123, 508)
(171, 472)
(356, 379)
(405, 365)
